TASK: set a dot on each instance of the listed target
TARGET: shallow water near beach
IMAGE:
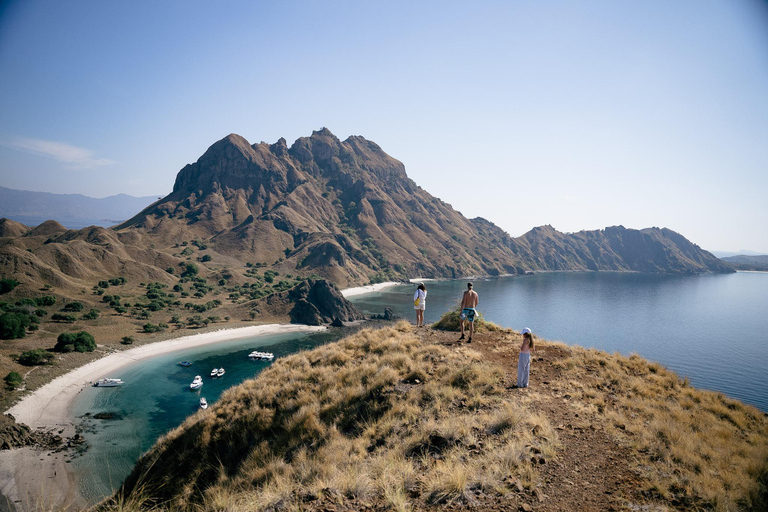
(712, 328)
(156, 398)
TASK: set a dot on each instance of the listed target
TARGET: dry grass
(695, 448)
(450, 321)
(399, 423)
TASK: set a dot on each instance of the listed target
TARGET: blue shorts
(468, 314)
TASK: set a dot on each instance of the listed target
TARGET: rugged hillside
(343, 210)
(618, 248)
(406, 419)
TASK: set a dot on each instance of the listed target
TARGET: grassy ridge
(697, 448)
(378, 415)
(384, 419)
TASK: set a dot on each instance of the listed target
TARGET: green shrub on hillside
(14, 325)
(73, 307)
(67, 319)
(80, 342)
(36, 357)
(45, 300)
(6, 285)
(13, 379)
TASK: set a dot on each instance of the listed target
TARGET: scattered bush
(190, 270)
(6, 285)
(36, 357)
(14, 325)
(67, 319)
(73, 307)
(205, 257)
(80, 342)
(91, 315)
(45, 300)
(150, 327)
(13, 380)
(127, 340)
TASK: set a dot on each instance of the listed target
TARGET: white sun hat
(526, 331)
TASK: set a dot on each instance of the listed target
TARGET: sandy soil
(29, 475)
(351, 292)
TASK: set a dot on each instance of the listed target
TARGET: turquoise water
(712, 328)
(156, 398)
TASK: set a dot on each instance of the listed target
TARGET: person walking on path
(468, 304)
(524, 360)
(420, 304)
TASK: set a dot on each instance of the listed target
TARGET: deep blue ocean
(712, 328)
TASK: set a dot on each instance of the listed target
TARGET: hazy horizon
(581, 116)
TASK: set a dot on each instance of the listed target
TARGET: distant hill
(744, 262)
(71, 210)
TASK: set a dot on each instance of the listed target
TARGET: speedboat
(197, 383)
(214, 373)
(220, 373)
(261, 356)
(203, 403)
(185, 364)
(107, 383)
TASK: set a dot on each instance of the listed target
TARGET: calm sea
(711, 328)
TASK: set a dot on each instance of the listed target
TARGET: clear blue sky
(576, 114)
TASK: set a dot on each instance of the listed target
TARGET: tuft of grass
(450, 321)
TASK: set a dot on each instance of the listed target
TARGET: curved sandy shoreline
(28, 475)
(360, 290)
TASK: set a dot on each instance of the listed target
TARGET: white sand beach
(28, 475)
(359, 290)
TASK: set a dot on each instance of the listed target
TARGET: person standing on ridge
(524, 360)
(420, 304)
(468, 304)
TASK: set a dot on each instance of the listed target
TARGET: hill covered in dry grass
(405, 419)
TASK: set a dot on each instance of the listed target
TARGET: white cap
(526, 331)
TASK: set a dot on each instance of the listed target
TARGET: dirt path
(591, 471)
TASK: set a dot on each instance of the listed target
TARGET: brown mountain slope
(344, 210)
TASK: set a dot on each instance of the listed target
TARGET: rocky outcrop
(319, 302)
(17, 435)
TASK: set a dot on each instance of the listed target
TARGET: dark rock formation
(388, 315)
(312, 302)
(17, 435)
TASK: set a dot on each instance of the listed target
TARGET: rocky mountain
(342, 210)
(27, 207)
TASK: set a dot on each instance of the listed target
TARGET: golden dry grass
(695, 448)
(399, 423)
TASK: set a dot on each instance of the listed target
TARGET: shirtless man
(468, 312)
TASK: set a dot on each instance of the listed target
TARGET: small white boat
(214, 373)
(220, 373)
(261, 356)
(197, 383)
(185, 364)
(107, 383)
(203, 403)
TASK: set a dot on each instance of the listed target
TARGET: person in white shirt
(419, 304)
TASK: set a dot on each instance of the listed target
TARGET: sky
(581, 114)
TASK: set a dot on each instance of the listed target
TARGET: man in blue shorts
(468, 311)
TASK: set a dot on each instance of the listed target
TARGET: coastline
(360, 290)
(28, 475)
